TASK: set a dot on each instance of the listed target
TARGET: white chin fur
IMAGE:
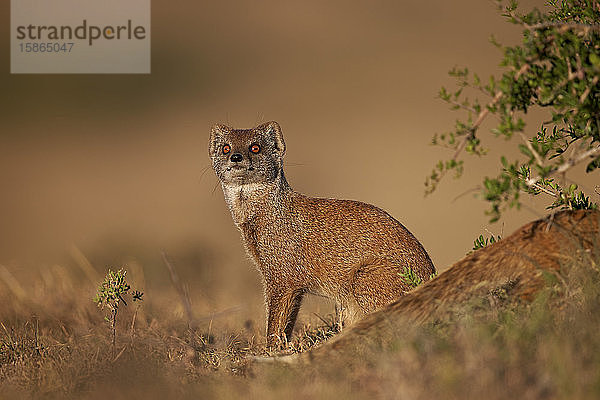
(231, 188)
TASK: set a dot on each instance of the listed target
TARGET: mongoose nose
(237, 157)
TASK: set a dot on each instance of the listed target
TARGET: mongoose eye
(226, 149)
(255, 148)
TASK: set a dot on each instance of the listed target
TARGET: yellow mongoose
(351, 252)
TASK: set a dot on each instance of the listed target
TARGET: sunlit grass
(55, 343)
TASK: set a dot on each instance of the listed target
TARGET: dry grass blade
(180, 288)
(12, 283)
(84, 264)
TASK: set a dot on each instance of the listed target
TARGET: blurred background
(115, 167)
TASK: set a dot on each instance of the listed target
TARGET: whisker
(204, 170)
(215, 188)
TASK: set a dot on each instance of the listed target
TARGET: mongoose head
(247, 156)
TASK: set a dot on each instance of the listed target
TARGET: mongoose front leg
(282, 311)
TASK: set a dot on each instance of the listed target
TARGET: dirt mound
(515, 267)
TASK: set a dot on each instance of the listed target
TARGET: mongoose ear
(216, 131)
(273, 128)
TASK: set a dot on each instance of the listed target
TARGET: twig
(178, 285)
(120, 354)
(286, 359)
(132, 328)
(466, 192)
(530, 147)
(552, 24)
(585, 94)
(566, 165)
(219, 314)
(113, 325)
(323, 320)
(477, 123)
(480, 118)
(550, 220)
(563, 25)
(37, 331)
(544, 190)
(185, 297)
(484, 113)
(460, 105)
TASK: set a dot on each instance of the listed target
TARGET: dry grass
(54, 343)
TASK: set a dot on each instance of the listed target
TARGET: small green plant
(482, 241)
(569, 199)
(412, 278)
(110, 296)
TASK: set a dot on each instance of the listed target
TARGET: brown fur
(516, 262)
(349, 251)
